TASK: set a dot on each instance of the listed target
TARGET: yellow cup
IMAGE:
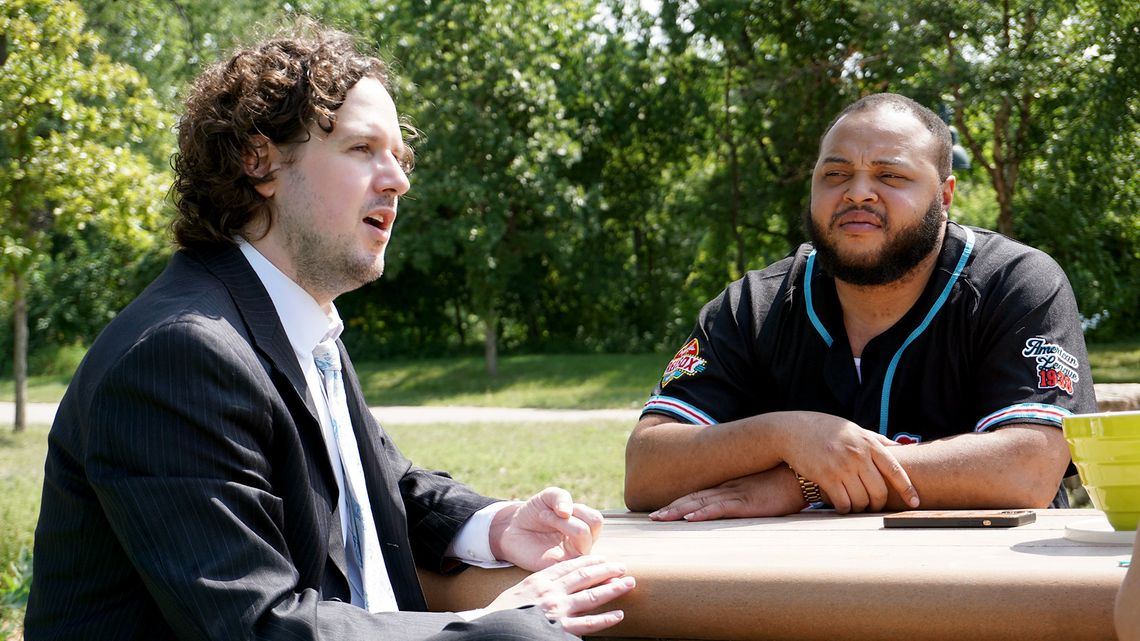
(1106, 451)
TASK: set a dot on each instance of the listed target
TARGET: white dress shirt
(306, 324)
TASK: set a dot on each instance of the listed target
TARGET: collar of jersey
(952, 230)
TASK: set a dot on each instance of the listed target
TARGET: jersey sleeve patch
(1055, 368)
(686, 362)
(1034, 411)
(677, 407)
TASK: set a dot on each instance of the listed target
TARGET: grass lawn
(21, 475)
(571, 381)
(1115, 362)
(41, 389)
(514, 460)
(565, 381)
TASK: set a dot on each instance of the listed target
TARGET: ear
(260, 160)
(948, 192)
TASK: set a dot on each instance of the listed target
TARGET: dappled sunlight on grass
(41, 389)
(1115, 362)
(579, 381)
(515, 460)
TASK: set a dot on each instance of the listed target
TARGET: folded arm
(741, 468)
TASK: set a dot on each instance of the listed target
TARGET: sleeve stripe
(1039, 411)
(678, 408)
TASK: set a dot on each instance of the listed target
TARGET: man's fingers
(725, 508)
(584, 579)
(686, 505)
(876, 488)
(557, 499)
(594, 597)
(590, 624)
(563, 568)
(578, 534)
(886, 441)
(591, 517)
(837, 494)
(895, 475)
(857, 495)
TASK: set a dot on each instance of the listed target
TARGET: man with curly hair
(213, 471)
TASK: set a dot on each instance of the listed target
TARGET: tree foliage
(589, 172)
(79, 133)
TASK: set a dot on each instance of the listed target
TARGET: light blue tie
(372, 587)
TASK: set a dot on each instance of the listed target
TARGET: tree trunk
(734, 173)
(20, 351)
(490, 342)
(1005, 213)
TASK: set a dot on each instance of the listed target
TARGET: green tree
(1081, 193)
(71, 120)
(168, 41)
(483, 78)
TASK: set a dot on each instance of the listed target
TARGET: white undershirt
(859, 368)
(306, 324)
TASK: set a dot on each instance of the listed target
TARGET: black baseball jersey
(995, 338)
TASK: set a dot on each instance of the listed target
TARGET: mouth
(859, 220)
(380, 220)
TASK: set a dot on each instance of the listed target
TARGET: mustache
(383, 200)
(864, 208)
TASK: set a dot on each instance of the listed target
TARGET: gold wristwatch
(809, 490)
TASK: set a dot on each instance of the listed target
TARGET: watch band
(809, 490)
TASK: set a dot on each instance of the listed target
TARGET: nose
(861, 189)
(390, 175)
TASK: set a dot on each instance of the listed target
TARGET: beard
(325, 265)
(328, 265)
(898, 257)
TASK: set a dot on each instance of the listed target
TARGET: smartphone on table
(960, 518)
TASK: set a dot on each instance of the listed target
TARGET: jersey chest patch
(1055, 367)
(686, 362)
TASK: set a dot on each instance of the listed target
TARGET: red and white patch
(686, 362)
(1055, 367)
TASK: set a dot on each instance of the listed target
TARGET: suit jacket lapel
(268, 336)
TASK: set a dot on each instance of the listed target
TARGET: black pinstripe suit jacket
(188, 491)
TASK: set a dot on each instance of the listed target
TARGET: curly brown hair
(275, 89)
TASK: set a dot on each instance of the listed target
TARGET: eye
(362, 147)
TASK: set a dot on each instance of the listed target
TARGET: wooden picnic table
(818, 575)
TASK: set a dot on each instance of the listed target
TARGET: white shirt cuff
(472, 544)
(471, 615)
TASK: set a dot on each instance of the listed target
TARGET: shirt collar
(305, 323)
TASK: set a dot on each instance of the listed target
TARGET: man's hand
(547, 529)
(568, 591)
(771, 493)
(850, 464)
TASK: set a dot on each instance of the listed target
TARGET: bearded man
(896, 360)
